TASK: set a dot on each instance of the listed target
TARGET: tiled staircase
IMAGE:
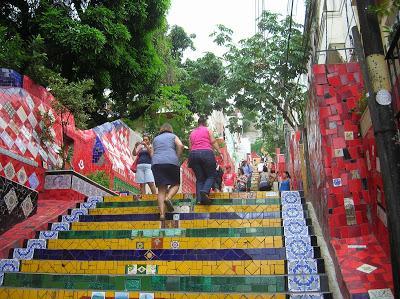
(244, 245)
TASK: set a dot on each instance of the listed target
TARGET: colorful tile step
(236, 201)
(251, 284)
(181, 216)
(168, 243)
(197, 209)
(192, 224)
(175, 232)
(30, 293)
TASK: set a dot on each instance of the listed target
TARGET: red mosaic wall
(338, 166)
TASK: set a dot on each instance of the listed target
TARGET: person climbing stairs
(244, 245)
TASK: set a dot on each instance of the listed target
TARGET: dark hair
(241, 171)
(287, 174)
(202, 120)
(265, 169)
(146, 135)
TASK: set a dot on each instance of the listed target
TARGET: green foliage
(386, 7)
(100, 177)
(202, 82)
(259, 77)
(108, 42)
(180, 41)
(272, 138)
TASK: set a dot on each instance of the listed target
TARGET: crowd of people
(157, 165)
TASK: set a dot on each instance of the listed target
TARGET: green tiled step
(251, 284)
(177, 232)
(121, 204)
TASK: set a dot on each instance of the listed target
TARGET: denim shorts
(144, 174)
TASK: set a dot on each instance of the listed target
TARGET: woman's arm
(179, 146)
(213, 141)
(135, 149)
(150, 149)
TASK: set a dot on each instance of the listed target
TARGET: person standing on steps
(144, 175)
(202, 159)
(229, 179)
(285, 183)
(248, 171)
(167, 149)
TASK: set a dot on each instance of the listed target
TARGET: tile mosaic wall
(16, 203)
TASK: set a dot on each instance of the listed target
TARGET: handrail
(77, 174)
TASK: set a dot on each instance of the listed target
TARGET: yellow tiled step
(257, 194)
(167, 243)
(197, 209)
(199, 223)
(270, 267)
(11, 293)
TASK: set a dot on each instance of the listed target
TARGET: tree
(180, 41)
(202, 82)
(109, 42)
(261, 75)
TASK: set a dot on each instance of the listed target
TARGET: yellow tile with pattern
(199, 223)
(167, 243)
(263, 267)
(197, 209)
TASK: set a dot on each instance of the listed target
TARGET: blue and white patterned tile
(307, 296)
(27, 253)
(48, 234)
(298, 249)
(290, 197)
(60, 226)
(74, 216)
(37, 243)
(88, 205)
(295, 227)
(1, 278)
(292, 211)
(297, 220)
(304, 283)
(302, 267)
(96, 198)
(9, 265)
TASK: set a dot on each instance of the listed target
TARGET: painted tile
(27, 253)
(60, 226)
(304, 283)
(307, 296)
(121, 295)
(295, 227)
(292, 211)
(290, 197)
(131, 269)
(302, 267)
(380, 294)
(366, 268)
(298, 249)
(9, 265)
(74, 216)
(146, 295)
(49, 234)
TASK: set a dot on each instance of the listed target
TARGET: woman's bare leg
(172, 191)
(153, 188)
(162, 190)
(142, 188)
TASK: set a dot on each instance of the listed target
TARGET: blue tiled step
(183, 216)
(169, 254)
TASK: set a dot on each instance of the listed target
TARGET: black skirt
(166, 174)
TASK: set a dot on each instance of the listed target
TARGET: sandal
(169, 205)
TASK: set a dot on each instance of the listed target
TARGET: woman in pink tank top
(202, 159)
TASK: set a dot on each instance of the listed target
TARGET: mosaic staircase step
(282, 253)
(208, 268)
(155, 283)
(193, 224)
(53, 293)
(175, 232)
(196, 209)
(236, 201)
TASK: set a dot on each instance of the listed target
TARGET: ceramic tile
(290, 197)
(302, 267)
(380, 294)
(304, 283)
(292, 211)
(60, 226)
(9, 265)
(298, 249)
(295, 227)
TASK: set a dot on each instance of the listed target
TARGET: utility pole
(384, 127)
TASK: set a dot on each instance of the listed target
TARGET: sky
(202, 16)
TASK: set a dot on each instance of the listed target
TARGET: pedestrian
(285, 183)
(167, 149)
(241, 184)
(273, 179)
(144, 175)
(248, 171)
(218, 179)
(263, 180)
(229, 179)
(202, 159)
(260, 166)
